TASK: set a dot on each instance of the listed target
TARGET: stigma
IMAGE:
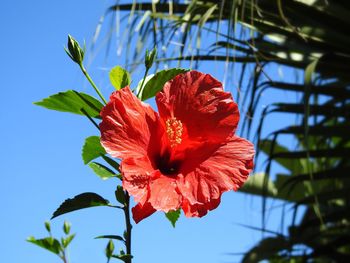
(174, 130)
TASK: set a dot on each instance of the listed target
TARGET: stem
(128, 226)
(92, 83)
(89, 117)
(64, 257)
(143, 82)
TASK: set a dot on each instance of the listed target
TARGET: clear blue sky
(41, 152)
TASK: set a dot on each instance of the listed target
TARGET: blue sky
(41, 152)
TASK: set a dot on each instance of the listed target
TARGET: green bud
(149, 58)
(66, 227)
(64, 242)
(74, 51)
(109, 249)
(120, 195)
(48, 226)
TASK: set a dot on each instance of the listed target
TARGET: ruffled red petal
(200, 103)
(199, 210)
(227, 169)
(137, 174)
(128, 126)
(164, 195)
(149, 187)
(140, 212)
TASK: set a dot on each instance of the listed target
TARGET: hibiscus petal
(128, 125)
(137, 174)
(149, 187)
(199, 210)
(227, 169)
(140, 212)
(164, 195)
(200, 103)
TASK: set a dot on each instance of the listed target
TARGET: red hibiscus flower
(186, 155)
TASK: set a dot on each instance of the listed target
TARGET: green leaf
(125, 257)
(116, 237)
(119, 77)
(265, 249)
(48, 243)
(84, 200)
(156, 83)
(120, 195)
(271, 148)
(259, 184)
(173, 216)
(66, 241)
(148, 77)
(102, 171)
(289, 192)
(111, 162)
(72, 101)
(92, 149)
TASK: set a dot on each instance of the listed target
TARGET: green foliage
(115, 237)
(66, 241)
(123, 257)
(173, 216)
(102, 171)
(119, 77)
(92, 149)
(111, 162)
(49, 243)
(271, 147)
(258, 184)
(109, 249)
(84, 200)
(156, 82)
(52, 244)
(266, 249)
(120, 195)
(74, 102)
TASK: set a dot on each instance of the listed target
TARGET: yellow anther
(174, 130)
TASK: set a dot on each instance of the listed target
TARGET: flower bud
(48, 226)
(66, 227)
(109, 249)
(119, 194)
(149, 58)
(74, 51)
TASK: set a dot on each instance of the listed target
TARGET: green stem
(92, 83)
(143, 82)
(89, 117)
(128, 226)
(64, 257)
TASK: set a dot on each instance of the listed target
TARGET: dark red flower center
(165, 161)
(166, 165)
